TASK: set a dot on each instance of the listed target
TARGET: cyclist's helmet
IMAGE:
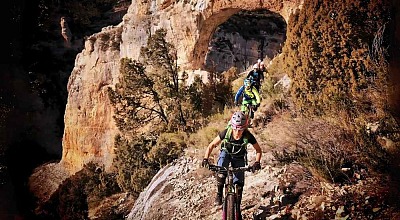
(255, 66)
(247, 82)
(239, 120)
(251, 79)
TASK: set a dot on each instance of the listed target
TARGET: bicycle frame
(248, 110)
(230, 207)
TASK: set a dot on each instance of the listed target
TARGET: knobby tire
(230, 207)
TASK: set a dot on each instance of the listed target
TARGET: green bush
(328, 57)
(133, 171)
(100, 185)
(336, 57)
(169, 147)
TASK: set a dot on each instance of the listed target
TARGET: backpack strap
(226, 141)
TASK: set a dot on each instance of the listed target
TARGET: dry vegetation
(335, 54)
(334, 120)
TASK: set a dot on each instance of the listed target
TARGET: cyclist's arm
(261, 76)
(256, 94)
(249, 74)
(211, 146)
(238, 94)
(258, 151)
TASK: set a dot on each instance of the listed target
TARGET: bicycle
(248, 109)
(230, 207)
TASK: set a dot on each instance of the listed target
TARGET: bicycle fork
(230, 208)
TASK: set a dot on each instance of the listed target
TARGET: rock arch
(220, 11)
(243, 39)
(190, 24)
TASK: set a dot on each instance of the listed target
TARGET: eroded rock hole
(244, 38)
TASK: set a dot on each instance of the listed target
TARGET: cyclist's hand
(256, 166)
(256, 107)
(205, 163)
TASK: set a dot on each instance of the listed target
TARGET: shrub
(77, 194)
(133, 171)
(325, 155)
(100, 184)
(169, 147)
(336, 57)
(331, 67)
(212, 125)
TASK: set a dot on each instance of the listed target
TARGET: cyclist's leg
(254, 105)
(244, 107)
(223, 160)
(238, 180)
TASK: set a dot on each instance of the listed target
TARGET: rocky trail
(184, 190)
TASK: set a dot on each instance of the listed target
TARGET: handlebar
(250, 106)
(216, 168)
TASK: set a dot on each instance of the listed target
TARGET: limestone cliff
(89, 125)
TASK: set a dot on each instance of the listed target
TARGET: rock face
(65, 32)
(89, 125)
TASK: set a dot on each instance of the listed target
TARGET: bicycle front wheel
(230, 207)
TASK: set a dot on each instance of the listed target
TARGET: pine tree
(153, 93)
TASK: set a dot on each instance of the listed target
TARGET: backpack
(248, 93)
(232, 151)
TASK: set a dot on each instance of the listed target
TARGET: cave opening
(244, 38)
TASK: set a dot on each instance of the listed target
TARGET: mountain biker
(264, 72)
(258, 76)
(250, 95)
(235, 136)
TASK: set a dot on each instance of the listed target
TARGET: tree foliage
(100, 184)
(336, 57)
(155, 93)
(169, 147)
(161, 59)
(133, 170)
(328, 56)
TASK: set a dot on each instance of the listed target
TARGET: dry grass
(318, 145)
(197, 142)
